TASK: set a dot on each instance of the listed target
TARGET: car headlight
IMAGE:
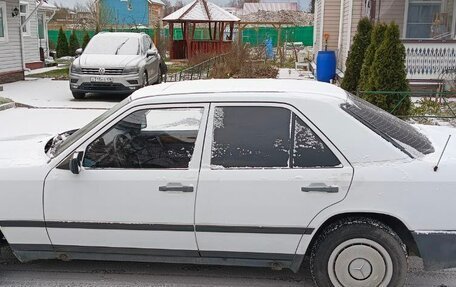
(75, 69)
(131, 70)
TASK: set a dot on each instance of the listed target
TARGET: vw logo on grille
(102, 71)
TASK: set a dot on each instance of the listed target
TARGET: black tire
(78, 95)
(159, 76)
(145, 79)
(328, 248)
(7, 255)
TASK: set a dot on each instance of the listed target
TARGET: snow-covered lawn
(23, 121)
(47, 93)
(290, 73)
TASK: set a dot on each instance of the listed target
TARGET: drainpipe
(24, 68)
(48, 19)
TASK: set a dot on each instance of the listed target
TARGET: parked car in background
(237, 172)
(116, 62)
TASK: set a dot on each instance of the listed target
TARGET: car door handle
(176, 187)
(320, 188)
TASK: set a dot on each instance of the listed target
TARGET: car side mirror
(78, 52)
(152, 53)
(75, 163)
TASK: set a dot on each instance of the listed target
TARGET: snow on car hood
(107, 61)
(438, 135)
(23, 151)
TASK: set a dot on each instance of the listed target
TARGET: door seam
(198, 178)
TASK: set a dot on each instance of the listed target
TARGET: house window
(430, 19)
(3, 27)
(23, 9)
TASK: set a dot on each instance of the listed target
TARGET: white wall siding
(317, 25)
(10, 57)
(331, 23)
(31, 50)
(392, 11)
(343, 52)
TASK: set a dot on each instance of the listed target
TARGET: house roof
(46, 5)
(158, 2)
(201, 10)
(274, 7)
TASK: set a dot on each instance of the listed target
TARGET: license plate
(101, 79)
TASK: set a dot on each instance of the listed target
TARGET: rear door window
(308, 149)
(266, 137)
(249, 137)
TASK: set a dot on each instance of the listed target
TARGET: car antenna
(436, 167)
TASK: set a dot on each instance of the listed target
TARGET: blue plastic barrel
(326, 66)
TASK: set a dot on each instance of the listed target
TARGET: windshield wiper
(121, 45)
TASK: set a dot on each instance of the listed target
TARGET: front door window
(155, 138)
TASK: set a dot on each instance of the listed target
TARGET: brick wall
(35, 65)
(10, 77)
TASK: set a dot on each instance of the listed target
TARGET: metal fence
(197, 72)
(253, 35)
(425, 106)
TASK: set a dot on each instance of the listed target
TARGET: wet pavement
(98, 273)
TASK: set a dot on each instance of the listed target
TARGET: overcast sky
(70, 3)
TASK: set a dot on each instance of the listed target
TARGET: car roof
(120, 34)
(242, 85)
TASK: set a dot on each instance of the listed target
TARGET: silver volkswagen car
(115, 62)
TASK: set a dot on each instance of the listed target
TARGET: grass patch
(241, 63)
(176, 67)
(58, 74)
(4, 101)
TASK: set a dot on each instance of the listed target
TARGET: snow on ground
(24, 121)
(291, 73)
(54, 94)
(43, 70)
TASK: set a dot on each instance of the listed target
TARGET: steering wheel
(119, 142)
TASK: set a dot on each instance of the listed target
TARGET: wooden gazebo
(218, 22)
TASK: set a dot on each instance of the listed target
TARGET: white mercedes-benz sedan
(238, 172)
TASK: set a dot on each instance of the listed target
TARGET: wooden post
(279, 34)
(221, 32)
(210, 30)
(171, 40)
(215, 31)
(241, 28)
(187, 41)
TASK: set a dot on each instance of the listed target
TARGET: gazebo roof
(201, 10)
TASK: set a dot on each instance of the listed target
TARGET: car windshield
(82, 131)
(113, 45)
(401, 134)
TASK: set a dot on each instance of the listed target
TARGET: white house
(428, 31)
(16, 54)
